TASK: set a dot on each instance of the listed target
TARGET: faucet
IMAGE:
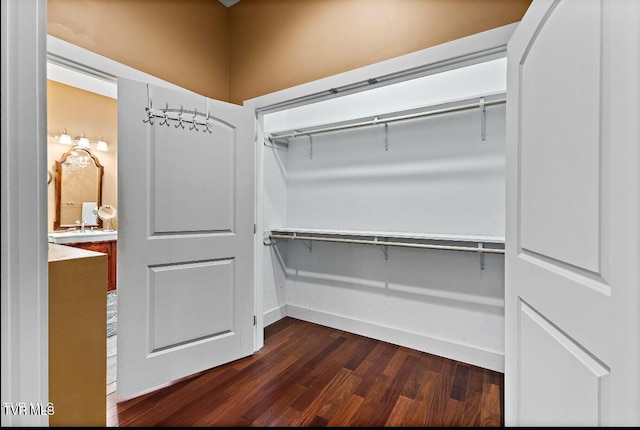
(82, 224)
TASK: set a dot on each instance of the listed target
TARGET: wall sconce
(64, 138)
(82, 141)
(101, 145)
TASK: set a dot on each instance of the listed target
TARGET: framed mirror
(78, 189)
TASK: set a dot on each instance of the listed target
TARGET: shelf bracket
(386, 132)
(386, 136)
(383, 248)
(310, 151)
(306, 243)
(481, 252)
(267, 240)
(483, 120)
(275, 143)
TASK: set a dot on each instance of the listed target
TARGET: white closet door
(573, 215)
(185, 250)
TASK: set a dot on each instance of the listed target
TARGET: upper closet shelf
(280, 140)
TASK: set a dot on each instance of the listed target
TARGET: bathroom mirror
(78, 189)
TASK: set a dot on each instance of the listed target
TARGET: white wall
(434, 301)
(436, 177)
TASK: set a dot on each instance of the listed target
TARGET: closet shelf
(280, 140)
(479, 244)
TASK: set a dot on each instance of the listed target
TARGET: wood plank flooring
(313, 376)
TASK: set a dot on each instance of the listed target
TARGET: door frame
(25, 302)
(477, 48)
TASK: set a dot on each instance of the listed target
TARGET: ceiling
(228, 3)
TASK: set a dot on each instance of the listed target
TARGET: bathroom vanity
(78, 198)
(93, 240)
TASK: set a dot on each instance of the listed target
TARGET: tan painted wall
(277, 44)
(185, 42)
(260, 46)
(82, 111)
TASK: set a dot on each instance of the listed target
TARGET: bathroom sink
(62, 237)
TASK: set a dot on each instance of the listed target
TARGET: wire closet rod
(386, 243)
(377, 120)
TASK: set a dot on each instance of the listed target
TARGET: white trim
(274, 315)
(443, 348)
(25, 305)
(93, 65)
(74, 78)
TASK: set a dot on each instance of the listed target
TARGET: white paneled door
(573, 215)
(185, 242)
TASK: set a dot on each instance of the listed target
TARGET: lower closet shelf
(479, 244)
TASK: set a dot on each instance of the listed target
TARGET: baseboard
(455, 351)
(274, 315)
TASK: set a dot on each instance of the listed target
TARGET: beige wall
(82, 111)
(277, 44)
(185, 42)
(260, 46)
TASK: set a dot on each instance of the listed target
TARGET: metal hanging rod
(482, 103)
(480, 248)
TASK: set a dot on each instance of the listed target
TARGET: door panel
(560, 145)
(198, 173)
(208, 297)
(186, 193)
(571, 335)
(564, 360)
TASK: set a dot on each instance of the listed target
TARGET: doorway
(80, 105)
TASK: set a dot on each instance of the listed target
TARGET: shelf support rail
(271, 238)
(280, 141)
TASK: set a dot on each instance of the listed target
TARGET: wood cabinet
(108, 247)
(77, 330)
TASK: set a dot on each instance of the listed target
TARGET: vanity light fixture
(82, 141)
(101, 145)
(64, 138)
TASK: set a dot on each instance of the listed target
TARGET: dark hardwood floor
(313, 376)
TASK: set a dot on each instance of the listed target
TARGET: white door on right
(573, 215)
